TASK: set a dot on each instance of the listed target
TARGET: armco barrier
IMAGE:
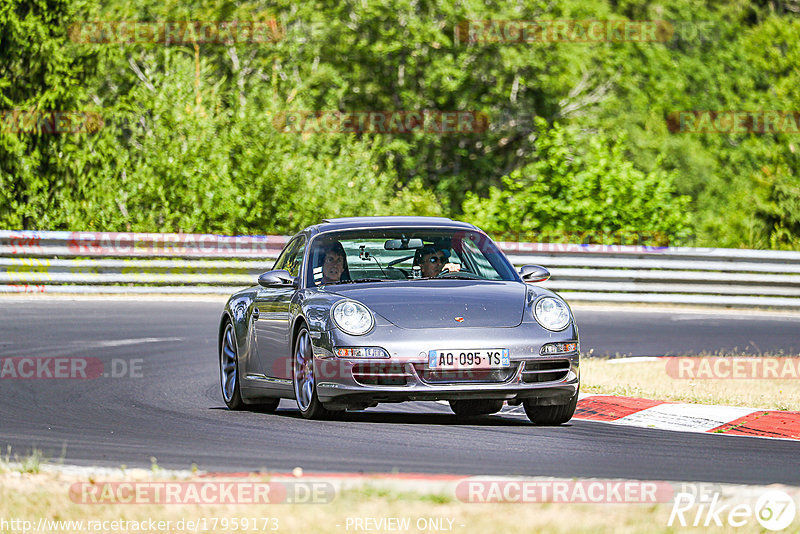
(101, 262)
(118, 262)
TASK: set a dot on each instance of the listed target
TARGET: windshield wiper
(360, 280)
(456, 276)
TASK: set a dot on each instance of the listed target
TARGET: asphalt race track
(171, 408)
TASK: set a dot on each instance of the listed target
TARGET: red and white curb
(727, 420)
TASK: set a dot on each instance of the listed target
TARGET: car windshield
(358, 256)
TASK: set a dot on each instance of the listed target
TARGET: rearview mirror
(277, 278)
(534, 273)
(402, 244)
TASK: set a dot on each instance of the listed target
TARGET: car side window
(289, 254)
(295, 257)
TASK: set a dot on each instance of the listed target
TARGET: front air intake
(545, 370)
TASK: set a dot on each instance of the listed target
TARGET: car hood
(439, 303)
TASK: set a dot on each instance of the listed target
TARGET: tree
(579, 183)
(41, 72)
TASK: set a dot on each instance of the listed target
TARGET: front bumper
(404, 376)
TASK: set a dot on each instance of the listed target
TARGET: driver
(433, 260)
(334, 264)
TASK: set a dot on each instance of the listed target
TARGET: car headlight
(352, 317)
(551, 313)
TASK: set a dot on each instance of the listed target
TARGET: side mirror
(533, 273)
(277, 278)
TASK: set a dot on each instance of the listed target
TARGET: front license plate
(468, 359)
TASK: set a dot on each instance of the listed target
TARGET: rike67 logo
(698, 507)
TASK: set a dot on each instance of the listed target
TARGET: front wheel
(304, 379)
(470, 408)
(550, 415)
(229, 370)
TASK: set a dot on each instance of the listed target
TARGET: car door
(272, 325)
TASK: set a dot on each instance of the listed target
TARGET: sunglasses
(437, 259)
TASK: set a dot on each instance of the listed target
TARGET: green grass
(30, 463)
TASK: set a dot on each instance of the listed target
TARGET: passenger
(334, 265)
(433, 260)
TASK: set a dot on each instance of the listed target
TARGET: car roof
(347, 223)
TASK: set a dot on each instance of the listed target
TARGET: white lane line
(77, 347)
(123, 342)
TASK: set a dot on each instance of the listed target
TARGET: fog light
(361, 352)
(559, 348)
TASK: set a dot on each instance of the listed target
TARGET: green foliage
(40, 72)
(190, 163)
(581, 183)
(189, 142)
(777, 202)
(175, 154)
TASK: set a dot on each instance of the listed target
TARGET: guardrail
(120, 262)
(101, 262)
(670, 275)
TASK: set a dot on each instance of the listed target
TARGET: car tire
(303, 378)
(475, 407)
(229, 369)
(550, 415)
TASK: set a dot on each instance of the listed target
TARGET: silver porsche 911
(359, 311)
